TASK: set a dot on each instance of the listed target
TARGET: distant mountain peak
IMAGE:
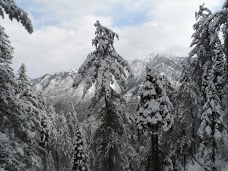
(59, 91)
(73, 71)
(159, 55)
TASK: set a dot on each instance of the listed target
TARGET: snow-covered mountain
(58, 90)
(58, 87)
(166, 64)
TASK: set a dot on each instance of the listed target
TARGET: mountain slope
(59, 92)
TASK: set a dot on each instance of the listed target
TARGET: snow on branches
(154, 105)
(16, 12)
(79, 161)
(103, 66)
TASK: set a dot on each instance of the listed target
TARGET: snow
(217, 135)
(1, 169)
(195, 167)
(208, 130)
(225, 168)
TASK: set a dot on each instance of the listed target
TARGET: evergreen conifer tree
(79, 161)
(77, 146)
(187, 109)
(212, 127)
(111, 145)
(101, 68)
(201, 43)
(63, 143)
(31, 108)
(154, 115)
(219, 23)
(207, 43)
(14, 134)
(15, 12)
(72, 121)
(50, 162)
(211, 130)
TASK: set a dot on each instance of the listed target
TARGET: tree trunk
(157, 160)
(110, 160)
(153, 160)
(110, 155)
(214, 145)
(45, 161)
(193, 133)
(57, 160)
(184, 162)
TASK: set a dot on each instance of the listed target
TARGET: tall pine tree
(207, 43)
(79, 160)
(212, 127)
(101, 68)
(154, 115)
(13, 128)
(200, 43)
(187, 108)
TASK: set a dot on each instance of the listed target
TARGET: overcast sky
(63, 30)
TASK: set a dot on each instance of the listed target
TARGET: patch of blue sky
(217, 7)
(132, 18)
(123, 16)
(23, 3)
(38, 13)
(120, 14)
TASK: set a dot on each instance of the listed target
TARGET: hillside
(59, 92)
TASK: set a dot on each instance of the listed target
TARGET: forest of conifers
(175, 127)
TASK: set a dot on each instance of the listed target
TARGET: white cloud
(169, 30)
(65, 45)
(54, 48)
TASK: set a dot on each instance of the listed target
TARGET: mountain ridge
(59, 92)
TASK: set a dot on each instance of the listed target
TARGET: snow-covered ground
(196, 167)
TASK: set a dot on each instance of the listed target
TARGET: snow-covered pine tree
(187, 99)
(89, 127)
(45, 120)
(154, 115)
(15, 12)
(200, 43)
(31, 108)
(9, 110)
(79, 160)
(72, 120)
(79, 157)
(29, 98)
(63, 143)
(111, 146)
(101, 68)
(23, 81)
(187, 109)
(50, 134)
(212, 129)
(212, 75)
(50, 163)
(219, 23)
(45, 131)
(13, 128)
